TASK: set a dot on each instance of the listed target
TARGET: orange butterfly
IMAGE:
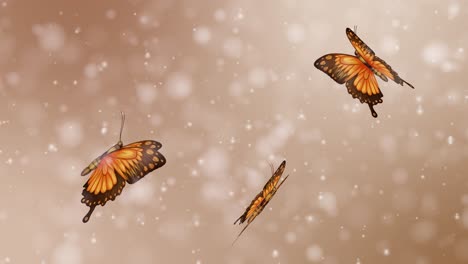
(358, 71)
(116, 166)
(262, 199)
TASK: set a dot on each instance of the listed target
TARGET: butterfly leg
(88, 215)
(374, 113)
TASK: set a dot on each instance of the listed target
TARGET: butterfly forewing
(136, 160)
(361, 48)
(340, 67)
(272, 183)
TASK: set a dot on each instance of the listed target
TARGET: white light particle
(275, 253)
(201, 35)
(453, 10)
(111, 14)
(52, 148)
(314, 253)
(310, 218)
(146, 92)
(450, 140)
(248, 126)
(435, 53)
(51, 37)
(220, 15)
(386, 252)
(420, 110)
(179, 85)
(295, 33)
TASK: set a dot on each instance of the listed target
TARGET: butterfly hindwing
(94, 198)
(364, 86)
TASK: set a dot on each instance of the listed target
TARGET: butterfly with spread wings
(116, 166)
(358, 72)
(262, 199)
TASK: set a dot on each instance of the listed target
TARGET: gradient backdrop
(228, 87)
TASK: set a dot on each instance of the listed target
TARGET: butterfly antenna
(121, 126)
(272, 168)
(240, 234)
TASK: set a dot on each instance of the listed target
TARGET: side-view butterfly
(262, 199)
(358, 72)
(116, 166)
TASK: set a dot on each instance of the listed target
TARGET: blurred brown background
(227, 87)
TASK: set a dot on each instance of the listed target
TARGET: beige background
(227, 87)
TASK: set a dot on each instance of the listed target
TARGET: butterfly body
(116, 167)
(262, 199)
(359, 71)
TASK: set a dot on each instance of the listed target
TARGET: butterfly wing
(252, 211)
(137, 159)
(362, 50)
(340, 67)
(382, 69)
(364, 86)
(128, 164)
(103, 185)
(270, 186)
